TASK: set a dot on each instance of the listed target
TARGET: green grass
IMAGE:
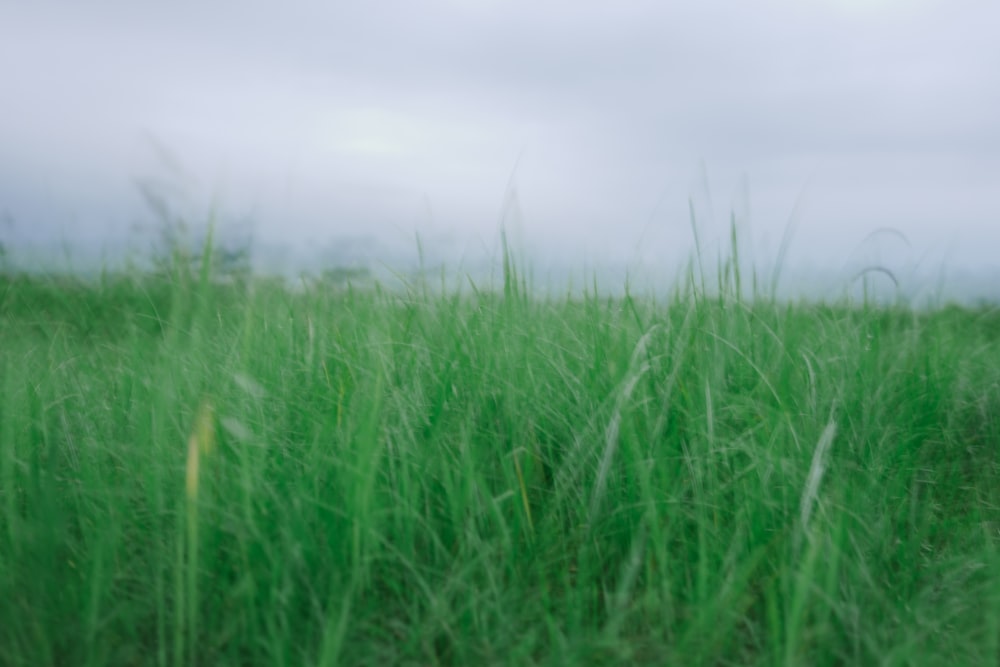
(441, 478)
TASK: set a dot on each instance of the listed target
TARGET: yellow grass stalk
(201, 442)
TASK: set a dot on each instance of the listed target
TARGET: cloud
(367, 113)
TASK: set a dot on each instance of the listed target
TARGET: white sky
(323, 119)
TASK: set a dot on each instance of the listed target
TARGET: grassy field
(198, 473)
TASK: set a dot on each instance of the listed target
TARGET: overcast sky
(319, 119)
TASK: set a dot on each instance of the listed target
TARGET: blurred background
(851, 133)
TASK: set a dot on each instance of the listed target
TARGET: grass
(199, 473)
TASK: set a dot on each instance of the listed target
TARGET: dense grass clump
(201, 473)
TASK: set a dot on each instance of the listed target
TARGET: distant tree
(171, 248)
(6, 220)
(231, 258)
(341, 275)
(179, 246)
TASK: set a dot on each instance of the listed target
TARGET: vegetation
(232, 473)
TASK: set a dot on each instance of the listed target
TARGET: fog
(864, 131)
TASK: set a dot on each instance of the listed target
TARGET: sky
(866, 129)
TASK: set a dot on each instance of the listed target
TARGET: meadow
(201, 473)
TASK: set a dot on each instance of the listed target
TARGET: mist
(600, 135)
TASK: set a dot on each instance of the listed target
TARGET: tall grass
(195, 473)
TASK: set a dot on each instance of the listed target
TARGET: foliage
(195, 472)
